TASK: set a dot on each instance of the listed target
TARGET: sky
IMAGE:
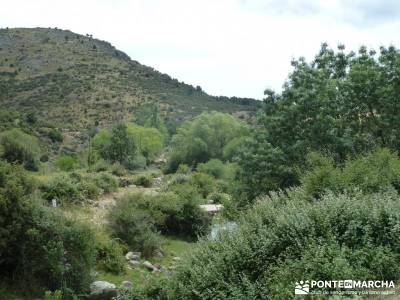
(228, 47)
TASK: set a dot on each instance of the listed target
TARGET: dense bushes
(134, 226)
(63, 189)
(109, 256)
(107, 182)
(65, 163)
(38, 247)
(19, 147)
(137, 218)
(286, 238)
(372, 172)
(76, 188)
(214, 167)
(144, 180)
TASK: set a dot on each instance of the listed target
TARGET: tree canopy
(341, 103)
(203, 138)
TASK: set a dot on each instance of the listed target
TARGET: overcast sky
(228, 47)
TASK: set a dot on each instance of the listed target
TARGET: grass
(172, 246)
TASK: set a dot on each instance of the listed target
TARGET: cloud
(371, 12)
(359, 13)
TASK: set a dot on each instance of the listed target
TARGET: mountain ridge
(75, 81)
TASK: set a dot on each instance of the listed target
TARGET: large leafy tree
(342, 103)
(203, 138)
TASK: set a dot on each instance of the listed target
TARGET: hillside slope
(74, 81)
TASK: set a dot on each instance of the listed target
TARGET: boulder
(157, 181)
(101, 285)
(102, 290)
(149, 266)
(134, 263)
(132, 255)
(126, 285)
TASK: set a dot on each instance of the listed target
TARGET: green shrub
(55, 135)
(107, 182)
(178, 178)
(44, 158)
(66, 163)
(56, 295)
(136, 162)
(372, 172)
(219, 198)
(285, 238)
(101, 165)
(137, 217)
(322, 175)
(183, 169)
(134, 226)
(117, 169)
(110, 257)
(183, 215)
(89, 189)
(19, 147)
(144, 180)
(39, 248)
(204, 183)
(63, 189)
(213, 167)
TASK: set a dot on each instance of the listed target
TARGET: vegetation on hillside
(76, 81)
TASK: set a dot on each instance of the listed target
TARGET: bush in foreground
(39, 248)
(287, 238)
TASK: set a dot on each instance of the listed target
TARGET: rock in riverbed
(102, 290)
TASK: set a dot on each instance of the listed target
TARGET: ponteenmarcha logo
(305, 287)
(302, 288)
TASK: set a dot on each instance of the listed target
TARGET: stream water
(217, 228)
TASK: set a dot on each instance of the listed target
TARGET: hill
(74, 82)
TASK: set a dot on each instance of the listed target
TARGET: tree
(340, 103)
(121, 145)
(149, 140)
(203, 138)
(128, 144)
